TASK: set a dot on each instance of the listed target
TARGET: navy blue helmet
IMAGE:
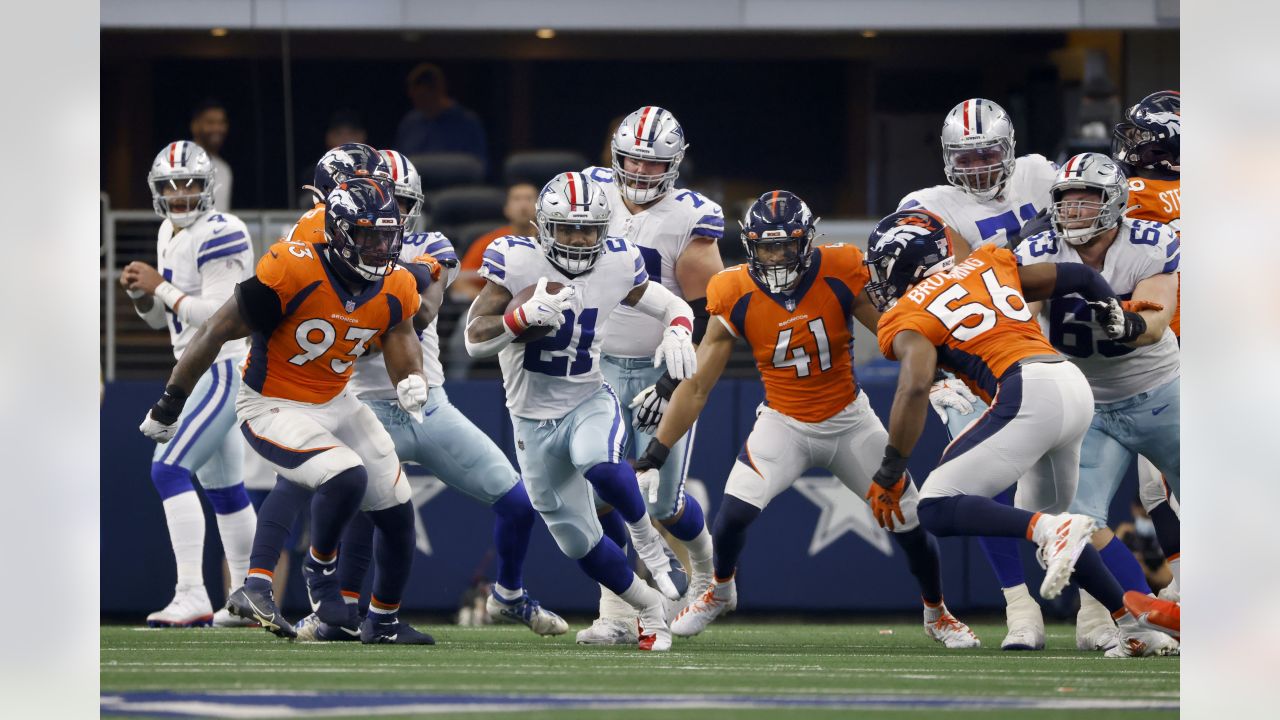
(905, 248)
(1150, 136)
(347, 161)
(778, 232)
(363, 226)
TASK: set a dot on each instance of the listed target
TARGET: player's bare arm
(432, 299)
(865, 312)
(485, 316)
(1161, 290)
(919, 361)
(690, 397)
(227, 324)
(695, 266)
(140, 281)
(402, 351)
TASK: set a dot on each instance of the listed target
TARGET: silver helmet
(1088, 171)
(183, 168)
(650, 134)
(977, 148)
(408, 186)
(573, 200)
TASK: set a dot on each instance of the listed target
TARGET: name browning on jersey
(926, 286)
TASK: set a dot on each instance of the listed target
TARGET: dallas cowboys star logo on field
(842, 512)
(425, 488)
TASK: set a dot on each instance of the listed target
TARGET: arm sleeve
(259, 305)
(154, 318)
(700, 318)
(659, 302)
(1082, 279)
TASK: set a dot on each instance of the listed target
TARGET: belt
(630, 363)
(1041, 359)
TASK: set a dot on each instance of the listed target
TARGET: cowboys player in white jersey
(992, 194)
(445, 442)
(1135, 379)
(676, 232)
(201, 255)
(567, 419)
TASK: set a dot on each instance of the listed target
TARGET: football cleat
(1095, 630)
(609, 631)
(312, 629)
(324, 592)
(652, 632)
(653, 551)
(1024, 619)
(946, 629)
(698, 585)
(698, 615)
(1171, 592)
(261, 608)
(1135, 641)
(224, 619)
(527, 612)
(374, 631)
(1154, 613)
(190, 607)
(1061, 539)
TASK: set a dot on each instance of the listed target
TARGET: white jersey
(997, 221)
(661, 232)
(547, 378)
(1142, 249)
(369, 379)
(205, 261)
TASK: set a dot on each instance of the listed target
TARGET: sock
(723, 587)
(275, 518)
(606, 564)
(616, 484)
(639, 595)
(1017, 595)
(185, 518)
(1093, 576)
(508, 594)
(1168, 529)
(336, 501)
(972, 515)
(236, 523)
(382, 611)
(512, 527)
(1002, 553)
(691, 521)
(1124, 567)
(932, 608)
(701, 550)
(393, 555)
(924, 561)
(729, 533)
(356, 555)
(1175, 564)
(615, 528)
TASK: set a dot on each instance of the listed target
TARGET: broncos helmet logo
(1171, 122)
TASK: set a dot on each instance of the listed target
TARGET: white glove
(647, 408)
(545, 308)
(412, 393)
(676, 352)
(648, 480)
(953, 394)
(157, 430)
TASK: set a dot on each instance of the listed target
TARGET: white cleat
(1024, 619)
(1135, 641)
(224, 619)
(1061, 539)
(698, 584)
(1095, 630)
(190, 607)
(1171, 592)
(717, 600)
(652, 550)
(609, 631)
(946, 629)
(651, 628)
(528, 612)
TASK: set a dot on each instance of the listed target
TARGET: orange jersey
(308, 355)
(975, 314)
(1160, 200)
(803, 344)
(310, 227)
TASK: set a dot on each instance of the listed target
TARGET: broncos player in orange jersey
(312, 309)
(795, 305)
(972, 319)
(1148, 146)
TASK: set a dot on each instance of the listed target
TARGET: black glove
(891, 469)
(651, 403)
(654, 457)
(169, 406)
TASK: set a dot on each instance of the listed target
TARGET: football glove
(1119, 324)
(650, 404)
(885, 494)
(412, 394)
(161, 422)
(545, 308)
(431, 263)
(677, 353)
(951, 393)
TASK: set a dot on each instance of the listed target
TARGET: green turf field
(734, 670)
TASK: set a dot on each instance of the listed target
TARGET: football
(536, 331)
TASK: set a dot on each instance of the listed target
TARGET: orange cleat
(1154, 613)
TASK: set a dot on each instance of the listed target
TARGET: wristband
(169, 294)
(169, 406)
(892, 467)
(665, 386)
(1135, 327)
(654, 457)
(682, 321)
(514, 321)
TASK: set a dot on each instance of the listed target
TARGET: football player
(446, 443)
(1135, 378)
(567, 419)
(973, 319)
(1147, 145)
(312, 310)
(201, 255)
(676, 233)
(794, 305)
(991, 197)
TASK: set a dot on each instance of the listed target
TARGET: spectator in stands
(520, 210)
(437, 123)
(209, 128)
(345, 126)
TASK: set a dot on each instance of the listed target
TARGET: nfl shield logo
(351, 306)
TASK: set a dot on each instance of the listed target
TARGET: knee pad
(171, 480)
(228, 500)
(572, 538)
(515, 504)
(331, 463)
